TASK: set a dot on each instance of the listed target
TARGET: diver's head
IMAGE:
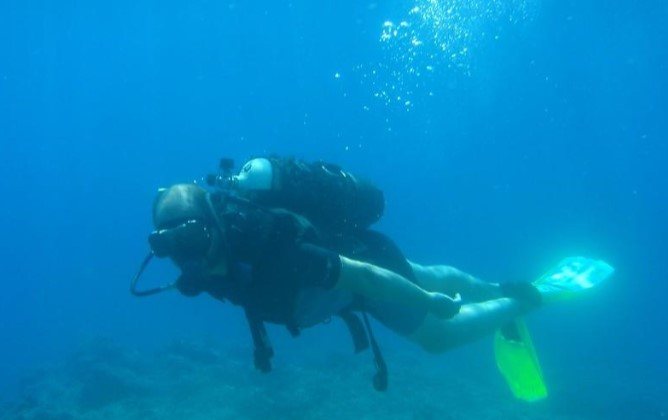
(188, 232)
(179, 203)
(184, 229)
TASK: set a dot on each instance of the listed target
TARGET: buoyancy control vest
(268, 242)
(341, 207)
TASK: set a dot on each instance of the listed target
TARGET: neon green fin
(517, 360)
(514, 351)
(571, 277)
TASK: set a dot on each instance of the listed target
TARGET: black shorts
(318, 267)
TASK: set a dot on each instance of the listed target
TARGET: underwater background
(506, 135)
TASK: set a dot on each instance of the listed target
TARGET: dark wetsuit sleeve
(318, 267)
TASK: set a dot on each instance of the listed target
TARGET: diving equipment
(256, 175)
(513, 348)
(187, 241)
(517, 360)
(322, 192)
(184, 241)
(571, 277)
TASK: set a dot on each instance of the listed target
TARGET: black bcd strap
(263, 351)
(356, 330)
(362, 339)
(380, 379)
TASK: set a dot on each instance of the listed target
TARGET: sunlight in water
(433, 39)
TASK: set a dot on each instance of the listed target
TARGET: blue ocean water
(506, 135)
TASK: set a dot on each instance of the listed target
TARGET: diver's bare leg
(449, 280)
(474, 321)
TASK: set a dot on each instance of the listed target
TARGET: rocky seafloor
(197, 380)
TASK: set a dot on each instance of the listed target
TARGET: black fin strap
(356, 330)
(263, 351)
(380, 379)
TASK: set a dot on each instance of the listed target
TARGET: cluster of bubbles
(434, 40)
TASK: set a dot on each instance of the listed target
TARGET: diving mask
(187, 244)
(185, 241)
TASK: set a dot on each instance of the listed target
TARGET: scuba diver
(290, 242)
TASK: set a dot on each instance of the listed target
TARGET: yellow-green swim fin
(517, 360)
(513, 348)
(572, 277)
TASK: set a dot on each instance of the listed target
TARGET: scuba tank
(322, 192)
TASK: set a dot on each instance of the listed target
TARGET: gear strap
(380, 379)
(361, 334)
(356, 330)
(263, 351)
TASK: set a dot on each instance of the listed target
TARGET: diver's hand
(443, 306)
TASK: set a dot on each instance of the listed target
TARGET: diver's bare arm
(451, 281)
(378, 283)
